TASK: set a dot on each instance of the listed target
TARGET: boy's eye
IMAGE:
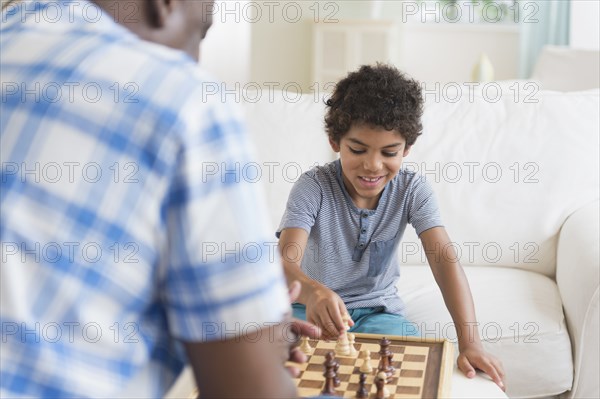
(390, 154)
(352, 150)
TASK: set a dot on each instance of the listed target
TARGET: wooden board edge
(408, 338)
(446, 370)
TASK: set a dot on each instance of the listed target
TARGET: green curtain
(541, 22)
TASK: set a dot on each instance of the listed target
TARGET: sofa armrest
(577, 275)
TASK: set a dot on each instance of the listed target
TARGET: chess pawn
(352, 349)
(362, 392)
(382, 391)
(305, 346)
(366, 364)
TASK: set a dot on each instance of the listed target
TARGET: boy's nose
(373, 164)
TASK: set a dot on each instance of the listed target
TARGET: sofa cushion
(508, 173)
(564, 68)
(520, 320)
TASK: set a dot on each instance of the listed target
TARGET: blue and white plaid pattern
(125, 223)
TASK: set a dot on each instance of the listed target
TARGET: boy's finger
(336, 317)
(328, 326)
(490, 370)
(465, 366)
(344, 311)
(499, 368)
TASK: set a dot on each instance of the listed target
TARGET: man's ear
(334, 146)
(158, 11)
(406, 151)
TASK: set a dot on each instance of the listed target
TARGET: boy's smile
(370, 158)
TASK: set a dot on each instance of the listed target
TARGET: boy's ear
(334, 146)
(406, 151)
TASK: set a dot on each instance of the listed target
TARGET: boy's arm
(451, 279)
(323, 306)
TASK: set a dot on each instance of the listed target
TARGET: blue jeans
(372, 321)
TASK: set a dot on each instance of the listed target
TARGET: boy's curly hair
(378, 95)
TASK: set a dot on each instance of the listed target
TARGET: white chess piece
(366, 365)
(383, 376)
(342, 348)
(351, 348)
(346, 320)
(305, 345)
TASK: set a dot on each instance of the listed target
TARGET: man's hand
(474, 357)
(299, 328)
(325, 309)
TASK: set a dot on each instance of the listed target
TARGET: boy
(344, 220)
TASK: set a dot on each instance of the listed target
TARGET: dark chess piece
(362, 392)
(380, 384)
(329, 374)
(385, 360)
(336, 378)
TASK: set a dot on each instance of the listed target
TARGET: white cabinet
(343, 46)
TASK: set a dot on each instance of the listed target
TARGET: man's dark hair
(377, 95)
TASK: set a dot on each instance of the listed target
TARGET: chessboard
(423, 367)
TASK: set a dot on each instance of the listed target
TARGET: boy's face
(370, 158)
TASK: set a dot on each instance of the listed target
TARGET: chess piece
(305, 345)
(342, 347)
(336, 378)
(366, 364)
(352, 350)
(362, 392)
(346, 319)
(382, 391)
(385, 360)
(329, 374)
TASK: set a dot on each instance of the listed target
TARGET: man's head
(379, 96)
(179, 24)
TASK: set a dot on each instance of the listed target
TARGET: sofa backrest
(289, 137)
(507, 170)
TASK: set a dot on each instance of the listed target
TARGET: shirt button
(361, 245)
(363, 231)
(364, 215)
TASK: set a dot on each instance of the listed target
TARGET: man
(116, 247)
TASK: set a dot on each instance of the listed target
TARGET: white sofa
(517, 183)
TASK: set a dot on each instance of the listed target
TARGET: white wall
(266, 41)
(585, 25)
(225, 52)
(445, 52)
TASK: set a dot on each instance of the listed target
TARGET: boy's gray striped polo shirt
(353, 250)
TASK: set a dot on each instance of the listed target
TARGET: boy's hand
(326, 309)
(474, 357)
